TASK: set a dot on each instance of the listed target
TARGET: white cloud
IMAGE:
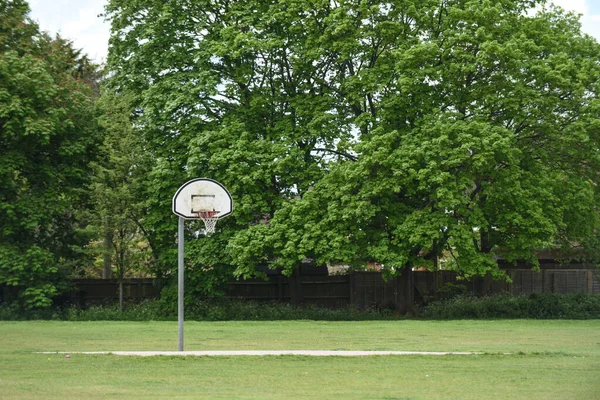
(579, 6)
(590, 14)
(76, 20)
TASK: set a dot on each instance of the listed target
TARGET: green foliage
(116, 191)
(198, 310)
(535, 306)
(365, 131)
(39, 297)
(47, 138)
(227, 104)
(450, 291)
(478, 137)
(240, 310)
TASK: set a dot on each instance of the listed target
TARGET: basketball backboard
(200, 196)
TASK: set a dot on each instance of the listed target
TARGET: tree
(244, 116)
(47, 138)
(484, 144)
(360, 131)
(116, 190)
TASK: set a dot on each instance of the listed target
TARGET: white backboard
(202, 194)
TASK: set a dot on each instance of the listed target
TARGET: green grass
(548, 360)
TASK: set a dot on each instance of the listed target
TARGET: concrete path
(311, 353)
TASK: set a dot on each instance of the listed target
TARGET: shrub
(143, 311)
(450, 290)
(200, 310)
(242, 310)
(535, 306)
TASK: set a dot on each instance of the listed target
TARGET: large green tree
(228, 94)
(358, 131)
(46, 140)
(484, 143)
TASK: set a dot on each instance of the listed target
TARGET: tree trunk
(406, 291)
(121, 272)
(107, 256)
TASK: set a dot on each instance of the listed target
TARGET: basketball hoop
(199, 198)
(210, 218)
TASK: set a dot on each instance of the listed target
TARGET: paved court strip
(310, 353)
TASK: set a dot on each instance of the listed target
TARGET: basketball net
(210, 220)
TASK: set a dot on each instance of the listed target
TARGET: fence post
(351, 289)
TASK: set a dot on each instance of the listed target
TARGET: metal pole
(180, 249)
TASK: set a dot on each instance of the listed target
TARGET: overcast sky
(78, 21)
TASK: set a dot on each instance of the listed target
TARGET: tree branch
(339, 153)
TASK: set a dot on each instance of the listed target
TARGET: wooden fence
(555, 278)
(363, 289)
(93, 291)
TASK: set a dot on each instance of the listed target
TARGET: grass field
(547, 360)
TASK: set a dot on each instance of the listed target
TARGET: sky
(78, 20)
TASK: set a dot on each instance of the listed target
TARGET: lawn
(547, 360)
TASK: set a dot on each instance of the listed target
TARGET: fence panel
(525, 281)
(371, 290)
(100, 290)
(554, 280)
(257, 289)
(594, 282)
(570, 281)
(326, 291)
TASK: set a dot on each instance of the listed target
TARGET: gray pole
(180, 248)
